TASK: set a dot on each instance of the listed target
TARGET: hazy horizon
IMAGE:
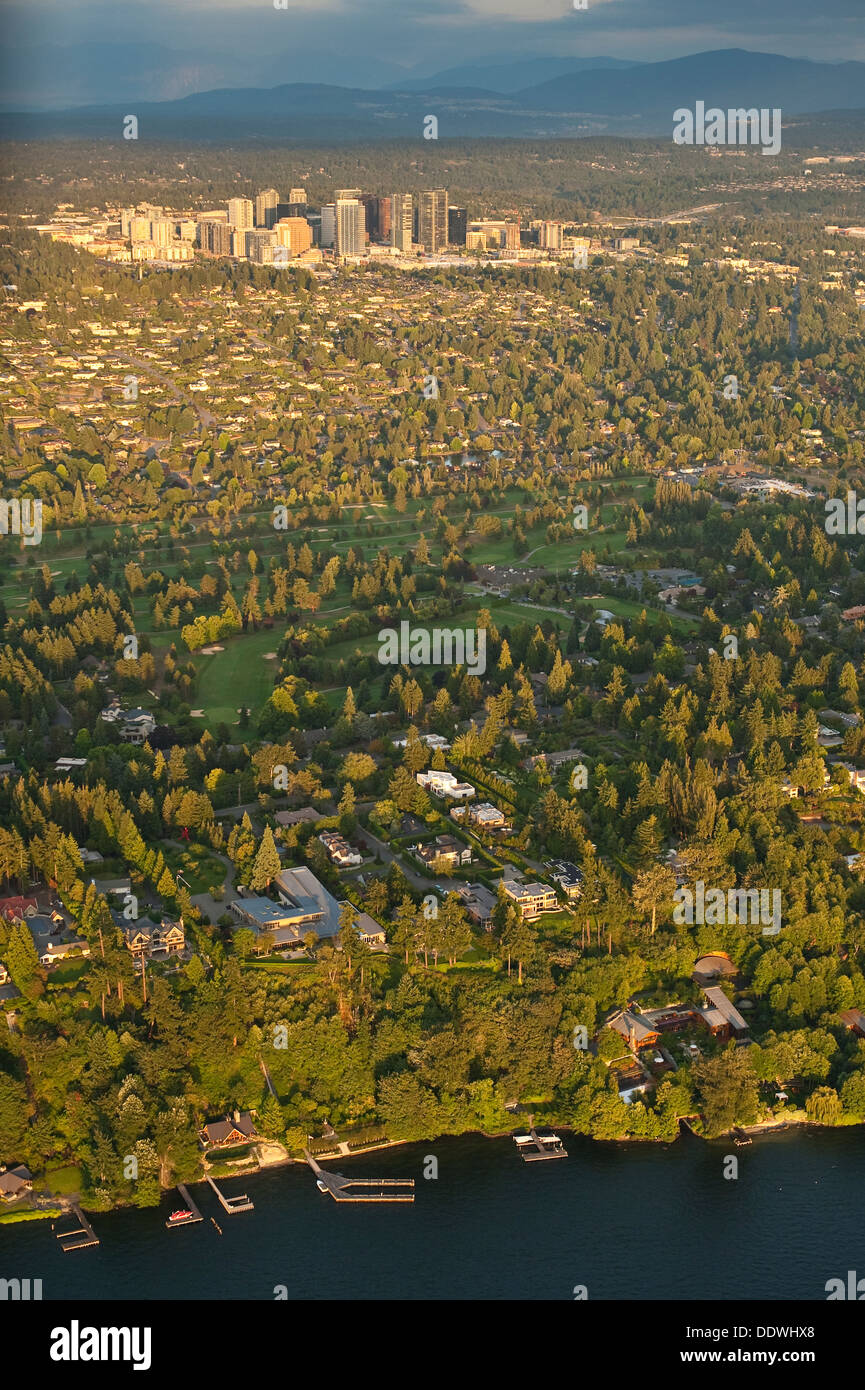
(59, 55)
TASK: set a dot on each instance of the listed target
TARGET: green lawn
(201, 871)
(26, 1214)
(631, 608)
(68, 973)
(237, 676)
(62, 1181)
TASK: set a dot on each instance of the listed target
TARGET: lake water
(627, 1221)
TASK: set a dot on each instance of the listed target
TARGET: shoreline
(760, 1128)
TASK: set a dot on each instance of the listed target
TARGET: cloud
(366, 43)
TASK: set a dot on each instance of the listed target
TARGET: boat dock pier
(82, 1237)
(190, 1205)
(343, 1189)
(231, 1204)
(534, 1147)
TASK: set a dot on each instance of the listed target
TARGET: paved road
(417, 880)
(206, 417)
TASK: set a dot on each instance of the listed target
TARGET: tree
(22, 959)
(824, 1106)
(267, 862)
(653, 891)
(519, 941)
(455, 932)
(727, 1089)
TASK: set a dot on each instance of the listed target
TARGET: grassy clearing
(201, 871)
(62, 1181)
(237, 676)
(68, 973)
(630, 608)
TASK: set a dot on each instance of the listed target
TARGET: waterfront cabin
(220, 1134)
(14, 1183)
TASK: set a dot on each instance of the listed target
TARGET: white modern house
(445, 784)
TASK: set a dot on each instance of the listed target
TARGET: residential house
(138, 725)
(854, 1019)
(733, 1022)
(568, 876)
(306, 815)
(445, 849)
(642, 1028)
(369, 930)
(843, 717)
(486, 816)
(855, 775)
(635, 1028)
(445, 784)
(57, 951)
(15, 909)
(235, 1130)
(4, 974)
(150, 940)
(532, 898)
(339, 850)
(433, 741)
(478, 902)
(14, 1182)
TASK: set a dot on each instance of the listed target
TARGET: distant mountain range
(590, 100)
(506, 77)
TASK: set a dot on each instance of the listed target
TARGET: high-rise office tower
(297, 195)
(291, 210)
(371, 210)
(214, 236)
(265, 207)
(342, 193)
(328, 224)
(512, 236)
(458, 220)
(383, 219)
(161, 230)
(139, 228)
(401, 221)
(433, 220)
(240, 213)
(294, 233)
(551, 236)
(259, 246)
(350, 238)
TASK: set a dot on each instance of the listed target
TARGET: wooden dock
(535, 1148)
(343, 1189)
(190, 1205)
(231, 1205)
(80, 1238)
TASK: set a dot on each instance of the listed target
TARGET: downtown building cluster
(269, 231)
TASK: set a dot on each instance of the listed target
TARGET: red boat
(182, 1215)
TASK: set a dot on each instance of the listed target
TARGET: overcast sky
(366, 42)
